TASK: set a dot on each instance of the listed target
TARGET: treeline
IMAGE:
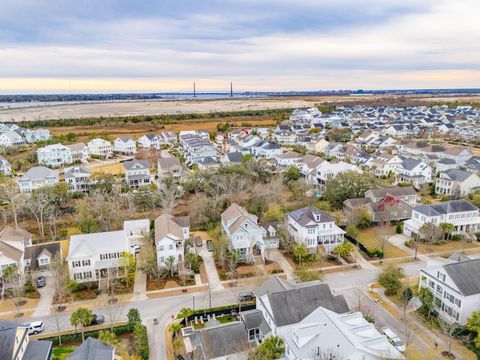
(276, 114)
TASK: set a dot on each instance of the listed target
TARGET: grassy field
(62, 352)
(114, 169)
(373, 237)
(450, 246)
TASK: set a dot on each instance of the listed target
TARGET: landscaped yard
(449, 246)
(374, 236)
(62, 352)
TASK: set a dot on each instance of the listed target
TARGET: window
(170, 247)
(162, 259)
(76, 264)
(44, 261)
(103, 256)
(161, 248)
(86, 262)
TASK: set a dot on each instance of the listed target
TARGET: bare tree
(168, 194)
(38, 204)
(59, 275)
(9, 193)
(15, 280)
(450, 331)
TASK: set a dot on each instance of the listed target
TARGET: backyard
(376, 236)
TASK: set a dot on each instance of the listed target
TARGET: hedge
(77, 337)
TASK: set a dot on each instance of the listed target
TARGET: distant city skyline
(63, 46)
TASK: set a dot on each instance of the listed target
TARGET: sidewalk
(398, 240)
(364, 264)
(140, 286)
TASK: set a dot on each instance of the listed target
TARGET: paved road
(164, 308)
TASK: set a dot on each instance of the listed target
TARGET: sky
(62, 46)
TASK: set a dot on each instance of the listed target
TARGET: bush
(140, 339)
(133, 318)
(75, 338)
(390, 278)
(457, 237)
(477, 235)
(399, 228)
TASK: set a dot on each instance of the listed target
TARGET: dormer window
(246, 225)
(317, 217)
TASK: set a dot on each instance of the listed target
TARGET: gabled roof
(95, 243)
(457, 175)
(448, 207)
(34, 251)
(11, 234)
(222, 340)
(308, 214)
(168, 163)
(132, 164)
(465, 275)
(398, 191)
(170, 225)
(93, 349)
(39, 173)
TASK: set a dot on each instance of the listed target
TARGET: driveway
(46, 298)
(210, 268)
(399, 241)
(276, 255)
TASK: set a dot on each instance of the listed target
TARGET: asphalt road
(164, 309)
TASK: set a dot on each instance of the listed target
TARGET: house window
(162, 259)
(170, 247)
(161, 248)
(76, 264)
(86, 262)
(43, 261)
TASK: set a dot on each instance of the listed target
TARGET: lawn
(373, 237)
(449, 246)
(62, 352)
(114, 169)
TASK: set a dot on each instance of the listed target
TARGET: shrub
(457, 237)
(390, 278)
(399, 228)
(133, 318)
(140, 339)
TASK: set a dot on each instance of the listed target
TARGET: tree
(38, 204)
(473, 324)
(192, 260)
(427, 299)
(431, 233)
(59, 276)
(272, 348)
(108, 337)
(273, 213)
(148, 261)
(9, 194)
(450, 330)
(300, 252)
(292, 174)
(13, 277)
(347, 185)
(81, 317)
(352, 230)
(302, 274)
(134, 318)
(344, 250)
(140, 340)
(391, 279)
(127, 263)
(447, 229)
(170, 262)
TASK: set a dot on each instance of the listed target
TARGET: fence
(205, 313)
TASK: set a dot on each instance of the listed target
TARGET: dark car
(97, 319)
(198, 241)
(209, 245)
(41, 281)
(246, 296)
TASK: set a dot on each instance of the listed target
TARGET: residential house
(414, 171)
(54, 155)
(463, 215)
(36, 178)
(170, 168)
(405, 193)
(456, 183)
(33, 136)
(389, 208)
(196, 149)
(170, 235)
(39, 257)
(100, 148)
(367, 137)
(308, 167)
(150, 141)
(270, 235)
(232, 158)
(384, 164)
(93, 349)
(5, 166)
(327, 170)
(243, 233)
(79, 152)
(266, 149)
(97, 256)
(12, 247)
(446, 164)
(137, 230)
(17, 345)
(455, 286)
(77, 179)
(137, 173)
(313, 228)
(125, 145)
(320, 146)
(472, 165)
(11, 139)
(288, 159)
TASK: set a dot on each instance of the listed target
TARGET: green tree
(134, 318)
(302, 274)
(271, 348)
(175, 328)
(344, 250)
(300, 252)
(127, 263)
(352, 230)
(193, 261)
(391, 279)
(427, 299)
(273, 213)
(292, 174)
(447, 229)
(473, 324)
(108, 337)
(140, 341)
(81, 317)
(170, 261)
(347, 185)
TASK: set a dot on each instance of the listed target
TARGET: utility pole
(231, 89)
(209, 295)
(194, 90)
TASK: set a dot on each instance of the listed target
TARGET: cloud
(274, 45)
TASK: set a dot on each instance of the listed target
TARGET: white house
(54, 155)
(125, 145)
(33, 136)
(5, 166)
(169, 168)
(11, 139)
(324, 334)
(12, 247)
(414, 171)
(79, 152)
(243, 233)
(77, 179)
(384, 164)
(308, 167)
(150, 141)
(137, 230)
(266, 149)
(196, 149)
(137, 173)
(288, 159)
(313, 228)
(327, 170)
(455, 286)
(170, 235)
(96, 256)
(460, 213)
(36, 178)
(456, 183)
(100, 148)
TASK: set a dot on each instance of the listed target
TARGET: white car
(394, 339)
(34, 327)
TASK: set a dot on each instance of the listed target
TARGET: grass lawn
(373, 237)
(226, 319)
(62, 352)
(449, 246)
(114, 169)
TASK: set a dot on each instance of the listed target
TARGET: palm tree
(447, 229)
(82, 317)
(108, 337)
(170, 261)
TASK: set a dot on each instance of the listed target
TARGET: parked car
(135, 248)
(198, 241)
(394, 339)
(97, 319)
(41, 281)
(245, 296)
(209, 245)
(34, 327)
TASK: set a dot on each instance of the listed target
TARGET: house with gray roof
(171, 232)
(463, 215)
(472, 165)
(455, 284)
(137, 173)
(416, 172)
(77, 178)
(456, 183)
(170, 168)
(39, 257)
(313, 228)
(36, 178)
(5, 166)
(93, 349)
(125, 145)
(15, 344)
(13, 243)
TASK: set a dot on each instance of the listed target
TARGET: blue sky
(115, 45)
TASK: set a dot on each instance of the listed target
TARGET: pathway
(210, 268)
(46, 299)
(398, 240)
(364, 264)
(140, 286)
(276, 255)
